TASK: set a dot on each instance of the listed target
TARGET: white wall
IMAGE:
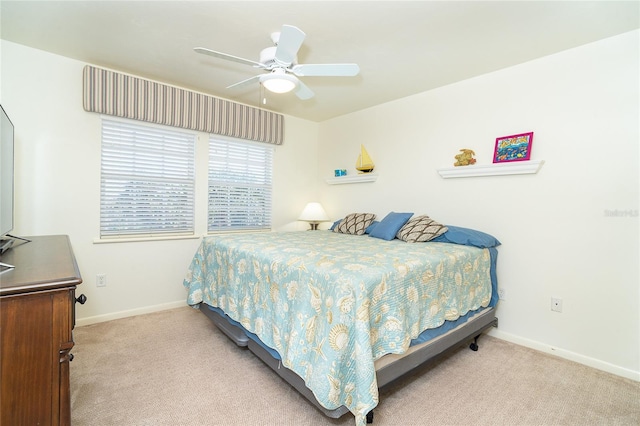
(557, 240)
(58, 186)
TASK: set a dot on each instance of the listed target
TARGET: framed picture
(513, 148)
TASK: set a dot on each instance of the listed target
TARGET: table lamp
(314, 214)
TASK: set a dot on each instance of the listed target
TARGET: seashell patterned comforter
(331, 304)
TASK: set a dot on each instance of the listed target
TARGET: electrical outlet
(101, 280)
(502, 293)
(556, 304)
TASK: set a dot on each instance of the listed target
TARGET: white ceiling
(402, 47)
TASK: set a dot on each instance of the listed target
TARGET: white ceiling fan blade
(246, 82)
(303, 92)
(228, 57)
(289, 43)
(325, 70)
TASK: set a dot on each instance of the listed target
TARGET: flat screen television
(6, 180)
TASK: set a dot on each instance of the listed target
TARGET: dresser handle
(81, 299)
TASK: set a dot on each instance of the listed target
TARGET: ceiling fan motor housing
(268, 58)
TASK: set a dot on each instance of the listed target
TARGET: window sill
(144, 238)
(237, 231)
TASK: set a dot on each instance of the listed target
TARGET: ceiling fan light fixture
(279, 81)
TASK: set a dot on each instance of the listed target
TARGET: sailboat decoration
(364, 163)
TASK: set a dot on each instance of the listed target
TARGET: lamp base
(313, 226)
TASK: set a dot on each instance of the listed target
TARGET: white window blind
(240, 176)
(147, 180)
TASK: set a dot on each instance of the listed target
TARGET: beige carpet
(175, 368)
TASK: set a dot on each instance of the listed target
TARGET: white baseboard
(568, 355)
(130, 313)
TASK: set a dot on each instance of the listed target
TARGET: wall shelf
(500, 169)
(359, 178)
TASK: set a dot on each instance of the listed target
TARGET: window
(240, 175)
(147, 180)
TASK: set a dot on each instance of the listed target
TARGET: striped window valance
(111, 93)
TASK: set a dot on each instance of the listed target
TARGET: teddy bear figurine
(465, 158)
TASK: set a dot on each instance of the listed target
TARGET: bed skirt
(389, 368)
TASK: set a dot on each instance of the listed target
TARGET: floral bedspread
(331, 304)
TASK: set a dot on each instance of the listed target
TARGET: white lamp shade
(313, 212)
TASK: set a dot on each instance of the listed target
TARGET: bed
(339, 315)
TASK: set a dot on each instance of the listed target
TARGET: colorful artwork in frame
(513, 148)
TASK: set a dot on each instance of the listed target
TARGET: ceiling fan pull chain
(262, 97)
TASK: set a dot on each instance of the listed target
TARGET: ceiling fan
(281, 63)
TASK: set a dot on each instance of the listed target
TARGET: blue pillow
(467, 237)
(336, 223)
(370, 227)
(390, 225)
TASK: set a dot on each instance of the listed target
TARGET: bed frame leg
(370, 417)
(474, 345)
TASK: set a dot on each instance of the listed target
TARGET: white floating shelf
(500, 169)
(359, 178)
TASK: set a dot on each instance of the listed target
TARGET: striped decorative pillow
(420, 229)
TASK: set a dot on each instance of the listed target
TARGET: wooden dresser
(37, 315)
